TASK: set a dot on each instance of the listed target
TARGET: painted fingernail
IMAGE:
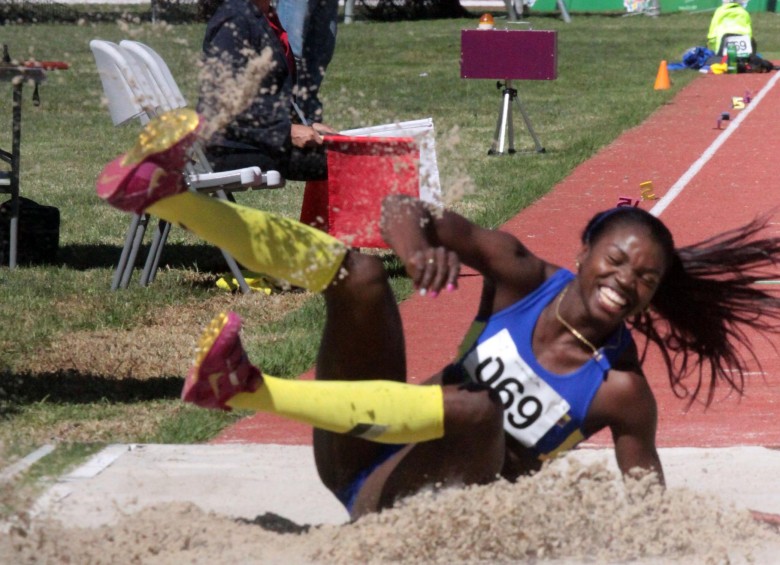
(450, 287)
(434, 294)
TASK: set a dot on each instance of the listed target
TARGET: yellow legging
(264, 242)
(382, 411)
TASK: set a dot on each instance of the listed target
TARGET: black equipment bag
(38, 236)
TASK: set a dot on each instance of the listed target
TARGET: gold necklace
(572, 330)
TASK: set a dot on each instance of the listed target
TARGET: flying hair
(708, 302)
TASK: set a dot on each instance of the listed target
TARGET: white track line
(94, 466)
(683, 181)
(98, 462)
(25, 463)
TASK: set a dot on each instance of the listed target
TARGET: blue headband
(600, 219)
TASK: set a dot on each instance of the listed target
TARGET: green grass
(381, 72)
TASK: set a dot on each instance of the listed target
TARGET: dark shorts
(299, 164)
(348, 494)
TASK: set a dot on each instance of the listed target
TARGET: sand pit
(572, 512)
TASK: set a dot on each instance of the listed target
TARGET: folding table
(9, 182)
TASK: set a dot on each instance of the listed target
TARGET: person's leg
(363, 339)
(319, 44)
(470, 452)
(263, 242)
(223, 160)
(310, 163)
(385, 411)
(366, 398)
(360, 396)
(293, 14)
(267, 243)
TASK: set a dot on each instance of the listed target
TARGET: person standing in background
(311, 30)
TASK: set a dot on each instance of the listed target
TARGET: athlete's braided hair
(706, 301)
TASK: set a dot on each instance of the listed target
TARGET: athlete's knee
(360, 274)
(474, 408)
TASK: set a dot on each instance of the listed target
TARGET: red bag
(361, 172)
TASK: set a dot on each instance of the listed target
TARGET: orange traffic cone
(662, 78)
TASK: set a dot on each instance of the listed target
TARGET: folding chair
(134, 93)
(127, 100)
(158, 70)
(200, 175)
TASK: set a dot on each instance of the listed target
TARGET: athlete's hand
(433, 270)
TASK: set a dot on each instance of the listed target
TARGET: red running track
(737, 182)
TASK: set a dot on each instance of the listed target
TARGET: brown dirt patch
(162, 345)
(122, 424)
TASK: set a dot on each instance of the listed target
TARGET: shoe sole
(163, 134)
(163, 144)
(208, 338)
(206, 343)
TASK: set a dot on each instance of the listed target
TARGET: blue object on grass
(694, 58)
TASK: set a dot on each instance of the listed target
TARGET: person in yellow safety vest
(731, 18)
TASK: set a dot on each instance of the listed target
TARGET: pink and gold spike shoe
(221, 368)
(152, 169)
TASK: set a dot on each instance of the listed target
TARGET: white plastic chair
(138, 84)
(127, 100)
(126, 97)
(159, 71)
(200, 176)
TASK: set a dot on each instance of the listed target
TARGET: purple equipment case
(508, 54)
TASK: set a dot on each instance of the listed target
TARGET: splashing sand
(571, 513)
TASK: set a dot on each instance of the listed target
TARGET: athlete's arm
(633, 422)
(433, 243)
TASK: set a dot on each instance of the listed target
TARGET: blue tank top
(544, 411)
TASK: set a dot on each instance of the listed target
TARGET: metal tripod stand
(505, 122)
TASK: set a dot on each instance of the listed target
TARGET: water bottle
(731, 54)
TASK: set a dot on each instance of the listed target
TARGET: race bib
(531, 406)
(742, 44)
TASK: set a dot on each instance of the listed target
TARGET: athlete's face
(620, 271)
